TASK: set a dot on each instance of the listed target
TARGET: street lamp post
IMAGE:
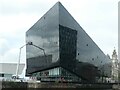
(29, 43)
(17, 69)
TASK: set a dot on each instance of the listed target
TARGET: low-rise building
(7, 70)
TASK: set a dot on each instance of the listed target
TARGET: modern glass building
(64, 52)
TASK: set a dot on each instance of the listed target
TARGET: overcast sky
(99, 18)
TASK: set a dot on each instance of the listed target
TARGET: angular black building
(61, 50)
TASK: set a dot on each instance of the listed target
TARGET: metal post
(17, 69)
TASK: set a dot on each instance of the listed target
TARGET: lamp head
(30, 43)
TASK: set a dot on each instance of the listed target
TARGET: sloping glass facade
(68, 49)
(44, 34)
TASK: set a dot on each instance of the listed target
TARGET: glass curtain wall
(56, 74)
